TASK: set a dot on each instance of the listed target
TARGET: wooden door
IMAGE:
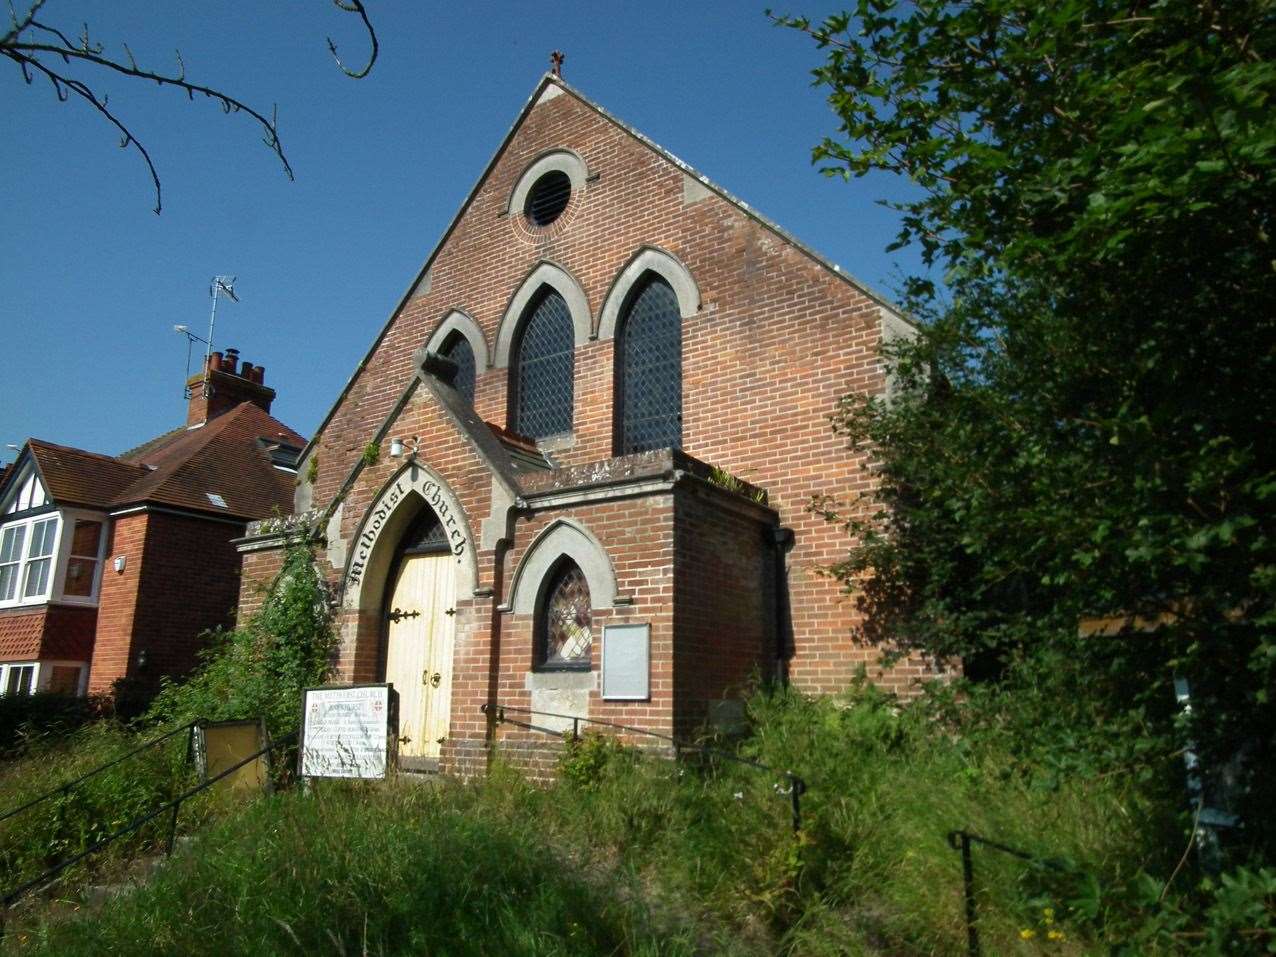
(418, 659)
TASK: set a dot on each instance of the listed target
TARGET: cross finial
(556, 62)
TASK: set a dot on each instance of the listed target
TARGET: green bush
(25, 719)
(260, 668)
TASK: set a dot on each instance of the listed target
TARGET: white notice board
(626, 662)
(346, 731)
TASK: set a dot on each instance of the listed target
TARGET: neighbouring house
(600, 414)
(112, 566)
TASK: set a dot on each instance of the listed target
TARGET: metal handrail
(173, 805)
(962, 840)
(796, 785)
(66, 787)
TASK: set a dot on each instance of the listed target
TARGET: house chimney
(226, 384)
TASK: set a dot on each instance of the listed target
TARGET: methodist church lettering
(385, 507)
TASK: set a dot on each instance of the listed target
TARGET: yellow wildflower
(1056, 935)
(1027, 933)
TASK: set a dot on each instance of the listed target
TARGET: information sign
(626, 662)
(348, 731)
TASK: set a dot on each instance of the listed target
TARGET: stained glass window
(566, 621)
(650, 371)
(544, 369)
(457, 348)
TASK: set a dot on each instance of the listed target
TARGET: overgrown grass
(630, 854)
(68, 823)
(350, 870)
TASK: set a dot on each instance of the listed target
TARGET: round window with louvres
(548, 198)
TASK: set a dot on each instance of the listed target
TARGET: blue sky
(92, 281)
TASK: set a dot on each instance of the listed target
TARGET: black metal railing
(172, 807)
(793, 789)
(68, 786)
(964, 842)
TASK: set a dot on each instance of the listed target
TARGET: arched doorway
(418, 638)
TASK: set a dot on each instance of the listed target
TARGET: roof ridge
(71, 448)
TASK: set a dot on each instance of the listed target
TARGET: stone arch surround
(370, 559)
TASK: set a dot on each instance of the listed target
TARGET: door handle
(431, 679)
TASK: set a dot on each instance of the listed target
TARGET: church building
(573, 471)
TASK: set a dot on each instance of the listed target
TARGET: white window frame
(9, 666)
(45, 675)
(61, 556)
(69, 517)
(25, 560)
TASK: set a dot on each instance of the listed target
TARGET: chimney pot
(231, 360)
(214, 362)
(246, 370)
(259, 375)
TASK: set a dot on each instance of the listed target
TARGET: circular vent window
(547, 198)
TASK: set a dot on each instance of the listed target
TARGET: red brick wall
(117, 603)
(181, 578)
(68, 633)
(257, 573)
(724, 604)
(778, 339)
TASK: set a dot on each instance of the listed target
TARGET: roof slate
(180, 469)
(75, 477)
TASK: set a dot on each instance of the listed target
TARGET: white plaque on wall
(626, 662)
(347, 731)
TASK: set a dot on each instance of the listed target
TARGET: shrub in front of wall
(27, 718)
(259, 669)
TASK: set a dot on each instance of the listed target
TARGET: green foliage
(1233, 914)
(53, 830)
(371, 454)
(585, 760)
(632, 854)
(724, 479)
(395, 870)
(260, 668)
(1078, 427)
(312, 468)
(25, 719)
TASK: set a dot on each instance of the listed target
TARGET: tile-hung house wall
(602, 408)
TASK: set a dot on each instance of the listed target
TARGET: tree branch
(355, 6)
(62, 85)
(27, 39)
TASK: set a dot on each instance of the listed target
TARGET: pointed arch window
(543, 389)
(564, 624)
(649, 370)
(458, 349)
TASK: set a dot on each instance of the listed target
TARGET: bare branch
(64, 86)
(28, 38)
(18, 24)
(355, 6)
(69, 51)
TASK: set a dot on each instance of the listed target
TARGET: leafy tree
(1083, 424)
(43, 50)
